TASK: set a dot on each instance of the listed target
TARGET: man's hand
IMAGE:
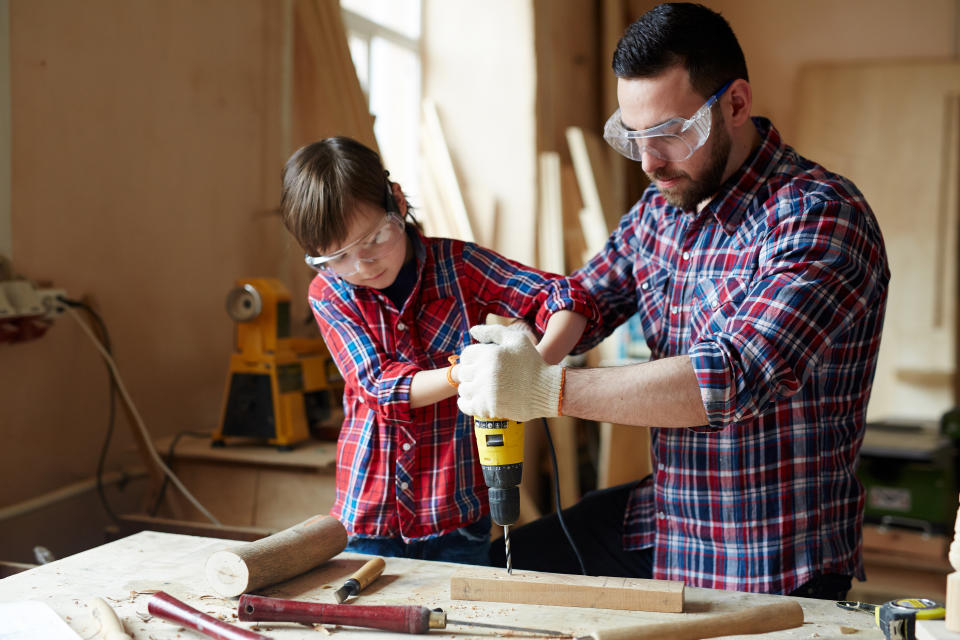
(505, 377)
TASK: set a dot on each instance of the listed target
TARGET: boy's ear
(399, 199)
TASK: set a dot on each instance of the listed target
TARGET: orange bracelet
(452, 360)
(563, 379)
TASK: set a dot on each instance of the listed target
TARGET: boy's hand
(505, 377)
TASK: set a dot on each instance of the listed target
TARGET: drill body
(500, 445)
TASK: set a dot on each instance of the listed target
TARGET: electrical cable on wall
(111, 419)
(138, 421)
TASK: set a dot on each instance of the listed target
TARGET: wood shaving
(848, 630)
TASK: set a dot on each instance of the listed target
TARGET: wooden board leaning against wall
(894, 129)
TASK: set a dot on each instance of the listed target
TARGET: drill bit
(506, 543)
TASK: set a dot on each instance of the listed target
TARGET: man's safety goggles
(369, 248)
(672, 141)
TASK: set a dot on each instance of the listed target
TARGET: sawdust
(848, 630)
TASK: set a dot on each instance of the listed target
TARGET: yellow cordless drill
(500, 444)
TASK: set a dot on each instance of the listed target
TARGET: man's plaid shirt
(776, 291)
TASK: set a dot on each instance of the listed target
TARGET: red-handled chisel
(163, 605)
(400, 618)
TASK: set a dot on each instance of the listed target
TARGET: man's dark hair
(682, 33)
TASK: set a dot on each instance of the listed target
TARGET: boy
(393, 306)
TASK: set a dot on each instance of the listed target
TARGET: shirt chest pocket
(651, 301)
(442, 328)
(714, 303)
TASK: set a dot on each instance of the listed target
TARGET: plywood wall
(145, 158)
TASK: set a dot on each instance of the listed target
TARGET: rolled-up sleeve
(508, 288)
(817, 278)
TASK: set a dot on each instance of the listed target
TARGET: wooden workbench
(127, 571)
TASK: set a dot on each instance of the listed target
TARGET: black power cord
(111, 420)
(170, 452)
(556, 497)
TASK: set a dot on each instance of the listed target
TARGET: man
(760, 281)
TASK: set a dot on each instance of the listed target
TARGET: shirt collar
(737, 193)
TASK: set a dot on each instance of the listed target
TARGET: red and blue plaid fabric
(414, 473)
(776, 290)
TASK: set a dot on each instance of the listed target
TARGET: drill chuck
(504, 502)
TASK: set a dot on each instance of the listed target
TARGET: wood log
(277, 557)
(762, 619)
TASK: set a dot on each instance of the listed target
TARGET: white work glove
(505, 377)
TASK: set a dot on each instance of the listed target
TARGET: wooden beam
(593, 175)
(550, 228)
(529, 587)
(440, 170)
(574, 245)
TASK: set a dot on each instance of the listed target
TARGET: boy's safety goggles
(672, 141)
(369, 248)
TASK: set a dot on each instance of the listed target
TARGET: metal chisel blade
(543, 632)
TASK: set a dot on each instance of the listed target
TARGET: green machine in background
(909, 471)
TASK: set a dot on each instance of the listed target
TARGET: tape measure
(897, 619)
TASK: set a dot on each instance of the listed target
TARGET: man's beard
(687, 198)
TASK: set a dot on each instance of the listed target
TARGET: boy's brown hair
(322, 184)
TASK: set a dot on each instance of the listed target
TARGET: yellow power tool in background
(279, 388)
(500, 444)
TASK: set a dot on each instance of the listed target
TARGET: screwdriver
(360, 579)
(400, 618)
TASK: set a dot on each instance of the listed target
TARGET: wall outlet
(23, 297)
(52, 306)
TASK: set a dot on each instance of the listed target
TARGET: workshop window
(384, 39)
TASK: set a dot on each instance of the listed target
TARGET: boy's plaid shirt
(414, 473)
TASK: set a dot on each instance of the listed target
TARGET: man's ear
(399, 199)
(740, 101)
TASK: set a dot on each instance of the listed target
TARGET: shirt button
(661, 515)
(404, 486)
(686, 255)
(401, 326)
(406, 446)
(674, 309)
(645, 286)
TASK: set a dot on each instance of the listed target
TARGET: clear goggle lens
(370, 248)
(672, 141)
